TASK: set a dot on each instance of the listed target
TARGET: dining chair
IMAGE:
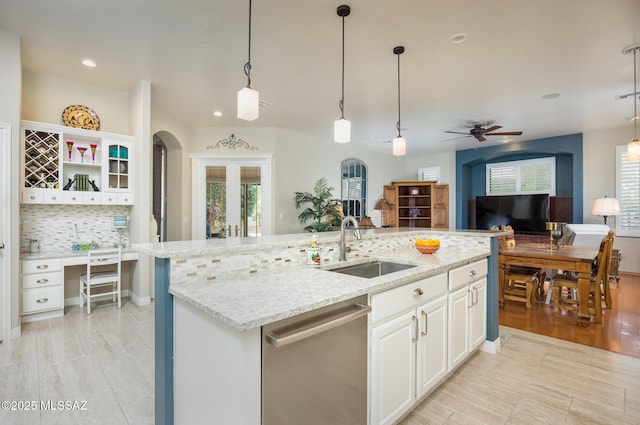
(104, 275)
(521, 283)
(565, 285)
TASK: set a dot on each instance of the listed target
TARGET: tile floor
(106, 359)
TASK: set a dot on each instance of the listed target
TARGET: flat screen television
(525, 213)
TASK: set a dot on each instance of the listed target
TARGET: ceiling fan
(478, 131)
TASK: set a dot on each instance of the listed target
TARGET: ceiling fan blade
(480, 138)
(456, 138)
(506, 133)
(456, 132)
(490, 129)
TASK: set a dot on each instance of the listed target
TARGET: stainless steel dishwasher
(314, 366)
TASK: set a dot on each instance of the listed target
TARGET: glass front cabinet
(65, 165)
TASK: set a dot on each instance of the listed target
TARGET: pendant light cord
(635, 97)
(398, 123)
(247, 66)
(341, 103)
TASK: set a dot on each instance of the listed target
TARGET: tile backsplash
(60, 226)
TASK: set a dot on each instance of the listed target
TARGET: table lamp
(605, 207)
(120, 222)
(382, 205)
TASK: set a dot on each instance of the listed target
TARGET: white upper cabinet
(70, 165)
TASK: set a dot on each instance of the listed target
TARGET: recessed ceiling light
(459, 38)
(551, 95)
(217, 113)
(89, 63)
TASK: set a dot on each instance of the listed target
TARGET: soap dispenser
(313, 253)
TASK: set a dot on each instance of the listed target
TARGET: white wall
(599, 153)
(45, 97)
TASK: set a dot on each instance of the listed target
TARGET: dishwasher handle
(355, 312)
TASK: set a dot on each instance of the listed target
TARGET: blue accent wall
(471, 170)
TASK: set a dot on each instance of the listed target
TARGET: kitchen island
(223, 291)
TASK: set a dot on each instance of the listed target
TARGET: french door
(5, 234)
(231, 197)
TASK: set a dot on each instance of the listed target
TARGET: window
(354, 188)
(628, 193)
(427, 174)
(522, 177)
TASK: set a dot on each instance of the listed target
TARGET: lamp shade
(605, 206)
(633, 151)
(248, 103)
(382, 204)
(399, 146)
(342, 131)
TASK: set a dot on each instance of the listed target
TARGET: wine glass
(70, 148)
(82, 150)
(93, 152)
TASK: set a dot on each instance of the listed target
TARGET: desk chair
(104, 272)
(565, 285)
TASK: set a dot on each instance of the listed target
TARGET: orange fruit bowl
(427, 249)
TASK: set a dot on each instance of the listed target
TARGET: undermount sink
(372, 269)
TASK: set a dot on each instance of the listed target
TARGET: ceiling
(193, 53)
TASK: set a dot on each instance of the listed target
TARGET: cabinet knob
(42, 281)
(32, 197)
(473, 273)
(42, 266)
(53, 198)
(417, 292)
(42, 300)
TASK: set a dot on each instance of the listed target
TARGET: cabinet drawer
(395, 301)
(41, 266)
(72, 197)
(32, 196)
(109, 198)
(125, 199)
(91, 198)
(466, 274)
(38, 280)
(41, 299)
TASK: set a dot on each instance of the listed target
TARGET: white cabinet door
(458, 326)
(478, 313)
(431, 359)
(393, 369)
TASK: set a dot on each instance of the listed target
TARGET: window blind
(521, 177)
(628, 194)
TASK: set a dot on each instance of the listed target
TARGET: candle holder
(82, 150)
(555, 233)
(70, 148)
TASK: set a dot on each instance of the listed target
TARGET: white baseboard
(16, 332)
(42, 316)
(140, 300)
(491, 347)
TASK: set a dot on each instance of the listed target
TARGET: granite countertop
(253, 301)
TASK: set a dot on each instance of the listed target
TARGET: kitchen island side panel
(163, 344)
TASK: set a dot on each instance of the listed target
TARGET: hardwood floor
(619, 332)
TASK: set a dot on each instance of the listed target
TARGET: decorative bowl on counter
(427, 246)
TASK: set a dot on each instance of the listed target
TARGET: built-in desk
(42, 281)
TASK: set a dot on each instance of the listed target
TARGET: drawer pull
(426, 323)
(417, 292)
(42, 300)
(472, 273)
(32, 197)
(53, 198)
(42, 267)
(42, 280)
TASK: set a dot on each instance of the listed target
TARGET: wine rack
(41, 159)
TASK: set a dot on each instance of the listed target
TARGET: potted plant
(325, 211)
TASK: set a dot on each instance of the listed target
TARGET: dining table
(571, 258)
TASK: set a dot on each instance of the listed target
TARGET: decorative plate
(79, 116)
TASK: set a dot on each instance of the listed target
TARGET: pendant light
(399, 143)
(342, 127)
(633, 147)
(248, 98)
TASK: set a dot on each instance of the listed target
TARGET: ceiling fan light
(633, 151)
(342, 131)
(399, 146)
(248, 104)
